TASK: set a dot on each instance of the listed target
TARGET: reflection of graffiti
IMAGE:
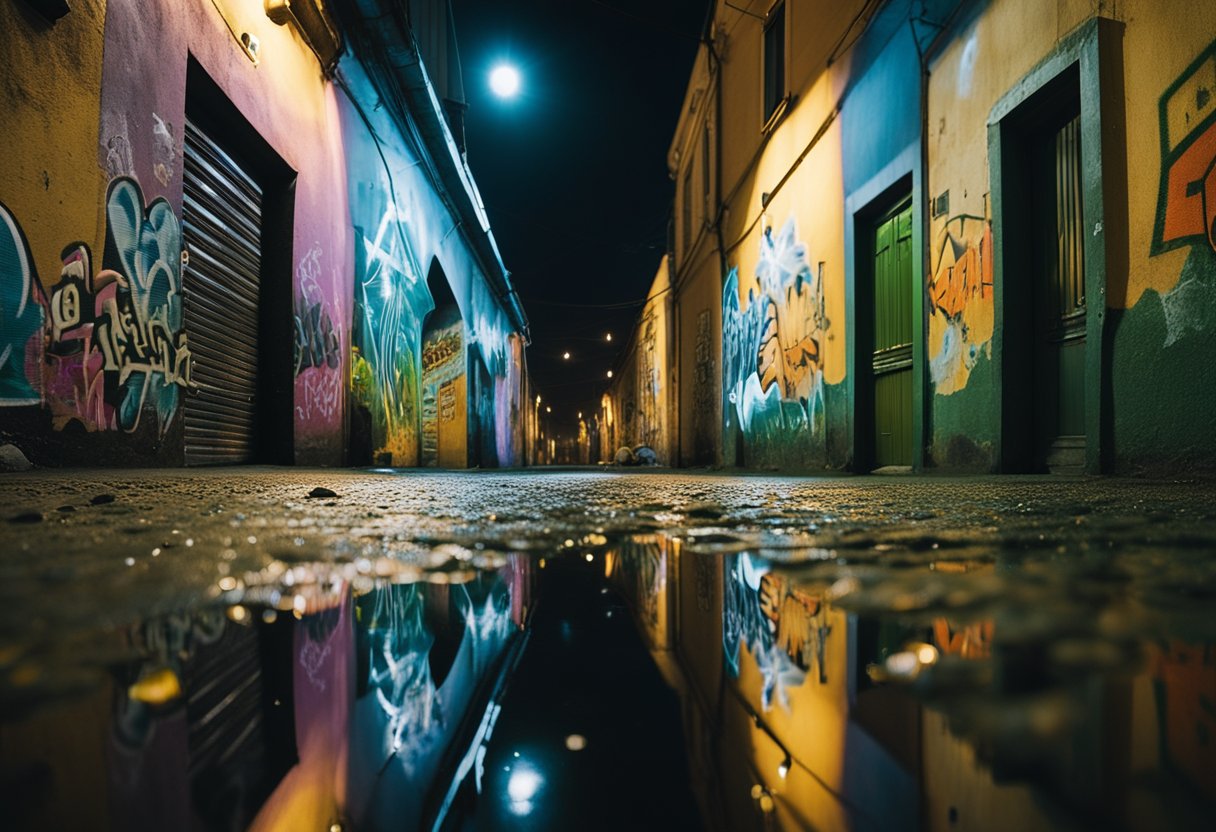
(785, 630)
(1184, 686)
(390, 301)
(318, 342)
(640, 566)
(113, 339)
(413, 633)
(970, 641)
(961, 305)
(20, 315)
(771, 347)
(1186, 201)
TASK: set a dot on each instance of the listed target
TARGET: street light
(548, 409)
(566, 355)
(610, 374)
(504, 81)
(608, 337)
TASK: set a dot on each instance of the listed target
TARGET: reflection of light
(521, 788)
(784, 768)
(590, 557)
(927, 654)
(576, 742)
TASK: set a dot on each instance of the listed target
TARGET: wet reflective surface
(594, 650)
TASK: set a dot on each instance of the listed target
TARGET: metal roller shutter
(222, 218)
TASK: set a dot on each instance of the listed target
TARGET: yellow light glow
(610, 374)
(589, 557)
(576, 742)
(156, 688)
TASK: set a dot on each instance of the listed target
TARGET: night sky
(573, 172)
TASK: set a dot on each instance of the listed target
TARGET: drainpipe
(715, 77)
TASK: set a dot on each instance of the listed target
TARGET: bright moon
(504, 80)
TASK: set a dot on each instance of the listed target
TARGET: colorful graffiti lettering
(783, 629)
(771, 348)
(113, 340)
(1186, 201)
(21, 316)
(961, 301)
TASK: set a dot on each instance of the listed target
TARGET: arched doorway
(444, 385)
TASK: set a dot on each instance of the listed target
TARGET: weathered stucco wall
(1160, 291)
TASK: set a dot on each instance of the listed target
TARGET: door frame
(894, 185)
(210, 108)
(1091, 58)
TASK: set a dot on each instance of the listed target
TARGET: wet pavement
(300, 649)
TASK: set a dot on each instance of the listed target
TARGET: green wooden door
(892, 360)
(1060, 302)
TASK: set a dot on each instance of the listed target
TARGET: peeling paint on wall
(319, 339)
(961, 311)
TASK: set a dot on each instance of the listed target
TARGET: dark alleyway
(221, 649)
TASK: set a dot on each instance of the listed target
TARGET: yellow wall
(1161, 38)
(52, 182)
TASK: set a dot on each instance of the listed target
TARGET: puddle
(798, 670)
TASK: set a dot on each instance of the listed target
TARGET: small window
(774, 60)
(686, 220)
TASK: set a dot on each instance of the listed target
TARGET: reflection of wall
(639, 568)
(423, 650)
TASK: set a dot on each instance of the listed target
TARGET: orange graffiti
(964, 268)
(973, 641)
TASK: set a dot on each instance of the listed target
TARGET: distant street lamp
(504, 81)
(566, 355)
(608, 337)
(548, 409)
(610, 374)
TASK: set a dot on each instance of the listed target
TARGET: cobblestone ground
(1077, 574)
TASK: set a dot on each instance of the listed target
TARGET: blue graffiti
(139, 331)
(21, 315)
(772, 362)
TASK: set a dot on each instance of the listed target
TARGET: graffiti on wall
(649, 390)
(772, 384)
(961, 313)
(318, 342)
(1186, 201)
(783, 629)
(110, 342)
(442, 366)
(390, 302)
(703, 388)
(21, 316)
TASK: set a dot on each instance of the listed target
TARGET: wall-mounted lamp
(312, 22)
(252, 47)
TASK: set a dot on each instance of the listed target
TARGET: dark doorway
(1045, 297)
(236, 206)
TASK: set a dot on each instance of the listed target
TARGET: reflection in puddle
(963, 692)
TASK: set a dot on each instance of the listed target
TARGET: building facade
(246, 231)
(638, 407)
(946, 235)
